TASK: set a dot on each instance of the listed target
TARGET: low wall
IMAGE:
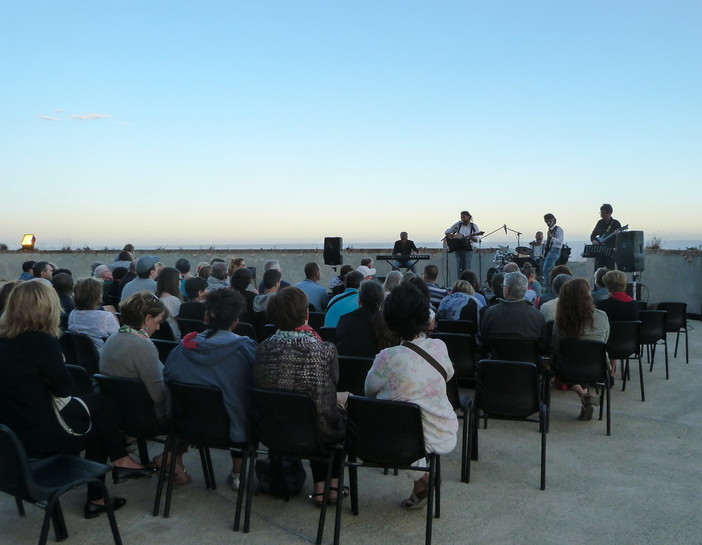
(669, 275)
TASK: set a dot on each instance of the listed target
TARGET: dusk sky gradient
(225, 122)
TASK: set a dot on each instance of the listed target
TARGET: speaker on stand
(332, 251)
(629, 256)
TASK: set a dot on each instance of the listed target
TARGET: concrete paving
(639, 486)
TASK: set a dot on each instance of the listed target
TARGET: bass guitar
(603, 238)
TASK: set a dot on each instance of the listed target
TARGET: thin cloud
(82, 117)
(48, 118)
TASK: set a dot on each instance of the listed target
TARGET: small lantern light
(28, 242)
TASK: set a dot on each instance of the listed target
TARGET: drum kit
(520, 255)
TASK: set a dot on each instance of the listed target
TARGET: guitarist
(606, 228)
(460, 238)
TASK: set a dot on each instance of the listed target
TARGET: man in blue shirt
(316, 294)
(344, 302)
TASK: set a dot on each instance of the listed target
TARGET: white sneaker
(234, 481)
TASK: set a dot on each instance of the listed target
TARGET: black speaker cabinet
(332, 251)
(629, 254)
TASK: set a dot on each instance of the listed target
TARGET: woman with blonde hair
(460, 304)
(392, 280)
(168, 291)
(86, 317)
(33, 370)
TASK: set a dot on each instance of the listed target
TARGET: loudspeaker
(629, 254)
(332, 251)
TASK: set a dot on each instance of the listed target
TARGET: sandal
(417, 500)
(318, 498)
(181, 473)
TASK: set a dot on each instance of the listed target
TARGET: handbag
(72, 414)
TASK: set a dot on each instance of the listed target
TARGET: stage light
(28, 242)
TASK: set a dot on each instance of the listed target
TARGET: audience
(460, 304)
(43, 271)
(27, 270)
(436, 292)
(316, 294)
(344, 302)
(195, 291)
(392, 280)
(273, 264)
(600, 291)
(336, 284)
(63, 284)
(548, 309)
(218, 276)
(87, 317)
(145, 277)
(241, 281)
(168, 291)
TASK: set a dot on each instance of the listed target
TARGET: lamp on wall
(28, 242)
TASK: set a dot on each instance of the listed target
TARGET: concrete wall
(670, 275)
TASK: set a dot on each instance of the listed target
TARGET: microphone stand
(480, 252)
(515, 232)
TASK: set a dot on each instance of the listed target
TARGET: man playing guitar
(460, 238)
(604, 233)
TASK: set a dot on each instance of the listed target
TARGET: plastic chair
(652, 333)
(83, 351)
(199, 416)
(42, 482)
(82, 384)
(507, 390)
(579, 361)
(462, 352)
(328, 334)
(456, 326)
(389, 434)
(164, 348)
(136, 414)
(676, 322)
(352, 374)
(246, 329)
(187, 325)
(286, 422)
(462, 404)
(623, 344)
(316, 320)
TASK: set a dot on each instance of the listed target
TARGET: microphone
(505, 227)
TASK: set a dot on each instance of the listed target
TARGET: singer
(552, 251)
(459, 239)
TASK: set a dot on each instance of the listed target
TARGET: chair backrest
(515, 348)
(461, 350)
(198, 413)
(286, 422)
(653, 325)
(623, 339)
(456, 326)
(164, 348)
(580, 361)
(81, 381)
(677, 315)
(164, 332)
(267, 331)
(385, 432)
(352, 374)
(246, 329)
(328, 334)
(15, 478)
(87, 355)
(316, 320)
(135, 410)
(187, 325)
(68, 348)
(508, 388)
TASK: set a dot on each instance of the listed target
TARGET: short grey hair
(271, 264)
(516, 284)
(510, 267)
(558, 282)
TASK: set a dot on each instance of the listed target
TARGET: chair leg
(609, 418)
(210, 470)
(20, 506)
(325, 500)
(641, 379)
(437, 488)
(110, 513)
(161, 476)
(625, 373)
(204, 452)
(665, 347)
(59, 522)
(143, 452)
(339, 497)
(242, 488)
(171, 478)
(249, 489)
(464, 444)
(353, 484)
(430, 497)
(543, 417)
(677, 338)
(46, 522)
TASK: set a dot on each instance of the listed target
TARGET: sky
(169, 124)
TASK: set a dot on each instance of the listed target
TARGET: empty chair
(286, 423)
(81, 351)
(623, 344)
(676, 322)
(579, 361)
(507, 390)
(136, 413)
(328, 334)
(245, 329)
(462, 352)
(390, 434)
(186, 325)
(199, 416)
(456, 326)
(652, 333)
(43, 481)
(352, 374)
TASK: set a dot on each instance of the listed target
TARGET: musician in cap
(604, 234)
(404, 247)
(554, 242)
(460, 238)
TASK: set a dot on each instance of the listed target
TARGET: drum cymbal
(524, 250)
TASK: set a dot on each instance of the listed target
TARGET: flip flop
(332, 501)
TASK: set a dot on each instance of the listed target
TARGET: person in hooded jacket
(220, 358)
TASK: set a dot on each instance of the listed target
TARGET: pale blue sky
(224, 122)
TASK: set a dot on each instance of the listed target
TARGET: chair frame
(624, 353)
(351, 370)
(650, 342)
(677, 312)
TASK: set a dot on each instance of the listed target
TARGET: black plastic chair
(187, 325)
(164, 332)
(462, 404)
(246, 329)
(286, 422)
(316, 320)
(43, 482)
(579, 361)
(652, 333)
(623, 344)
(267, 331)
(164, 348)
(328, 334)
(136, 414)
(199, 416)
(79, 349)
(508, 390)
(463, 354)
(82, 384)
(389, 434)
(456, 326)
(676, 322)
(352, 374)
